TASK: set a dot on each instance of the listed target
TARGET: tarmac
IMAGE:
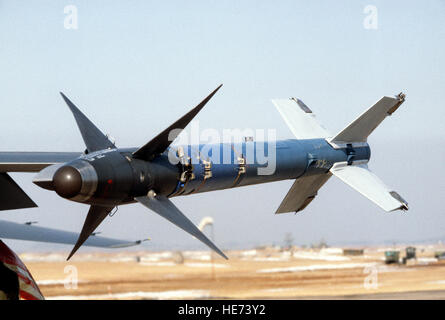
(262, 273)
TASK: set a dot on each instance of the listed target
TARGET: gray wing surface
(33, 161)
(18, 231)
(302, 192)
(11, 195)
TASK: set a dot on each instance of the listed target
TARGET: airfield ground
(267, 273)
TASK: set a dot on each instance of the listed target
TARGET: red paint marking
(7, 256)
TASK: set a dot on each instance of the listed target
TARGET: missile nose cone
(67, 182)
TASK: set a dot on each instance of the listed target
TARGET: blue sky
(135, 66)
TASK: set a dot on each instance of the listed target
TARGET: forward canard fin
(94, 139)
(162, 141)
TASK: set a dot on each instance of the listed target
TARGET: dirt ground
(267, 273)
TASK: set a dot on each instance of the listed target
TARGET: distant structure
(288, 241)
(178, 257)
(410, 255)
(392, 256)
(206, 221)
(322, 244)
(353, 252)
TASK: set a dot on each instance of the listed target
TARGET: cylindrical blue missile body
(229, 165)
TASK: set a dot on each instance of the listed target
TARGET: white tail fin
(303, 125)
(368, 184)
(363, 126)
(300, 119)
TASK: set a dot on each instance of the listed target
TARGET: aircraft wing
(11, 195)
(33, 161)
(18, 231)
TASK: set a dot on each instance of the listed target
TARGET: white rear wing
(360, 178)
(304, 125)
(300, 119)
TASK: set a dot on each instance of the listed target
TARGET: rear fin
(12, 196)
(162, 141)
(302, 192)
(94, 139)
(360, 178)
(300, 119)
(363, 126)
